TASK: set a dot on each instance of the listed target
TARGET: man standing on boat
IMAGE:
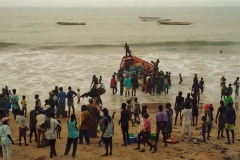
(126, 47)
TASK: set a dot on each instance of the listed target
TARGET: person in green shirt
(228, 99)
(15, 106)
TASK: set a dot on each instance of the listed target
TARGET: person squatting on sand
(72, 135)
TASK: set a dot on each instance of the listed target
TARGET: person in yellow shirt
(24, 105)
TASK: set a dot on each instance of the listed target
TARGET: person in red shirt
(114, 85)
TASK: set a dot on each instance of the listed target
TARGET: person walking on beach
(195, 79)
(186, 122)
(21, 121)
(70, 95)
(230, 118)
(223, 91)
(15, 106)
(124, 124)
(128, 85)
(209, 121)
(181, 80)
(179, 103)
(51, 133)
(146, 130)
(128, 51)
(108, 133)
(204, 128)
(230, 89)
(93, 111)
(161, 123)
(113, 84)
(72, 135)
(84, 125)
(24, 105)
(136, 110)
(169, 123)
(194, 110)
(202, 85)
(40, 131)
(196, 90)
(6, 140)
(32, 123)
(221, 111)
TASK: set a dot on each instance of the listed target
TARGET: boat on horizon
(71, 23)
(148, 17)
(175, 23)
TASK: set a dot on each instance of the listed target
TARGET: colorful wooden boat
(136, 65)
(71, 23)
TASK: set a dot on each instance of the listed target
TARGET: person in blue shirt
(62, 103)
(196, 90)
(70, 95)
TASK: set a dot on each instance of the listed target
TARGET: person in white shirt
(40, 131)
(21, 121)
(186, 121)
(51, 134)
(6, 140)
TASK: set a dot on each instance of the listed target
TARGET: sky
(119, 3)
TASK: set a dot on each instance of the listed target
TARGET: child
(209, 121)
(59, 130)
(180, 77)
(78, 96)
(204, 125)
(236, 92)
(21, 121)
(107, 134)
(129, 106)
(24, 105)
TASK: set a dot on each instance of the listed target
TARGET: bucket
(152, 136)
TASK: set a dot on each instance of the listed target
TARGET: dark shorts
(22, 131)
(178, 108)
(16, 111)
(160, 127)
(70, 103)
(221, 123)
(107, 140)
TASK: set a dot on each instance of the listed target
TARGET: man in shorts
(196, 90)
(70, 95)
(179, 104)
(230, 118)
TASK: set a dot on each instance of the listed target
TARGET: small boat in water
(163, 20)
(71, 23)
(137, 66)
(148, 18)
(175, 23)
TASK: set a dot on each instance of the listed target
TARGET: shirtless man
(126, 47)
(230, 118)
(179, 104)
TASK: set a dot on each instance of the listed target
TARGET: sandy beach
(213, 149)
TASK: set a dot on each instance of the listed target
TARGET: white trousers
(184, 127)
(7, 152)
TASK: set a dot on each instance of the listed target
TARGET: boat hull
(71, 23)
(175, 23)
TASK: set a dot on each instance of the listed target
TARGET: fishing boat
(163, 20)
(176, 23)
(137, 66)
(71, 23)
(148, 18)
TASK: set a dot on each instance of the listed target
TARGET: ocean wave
(142, 44)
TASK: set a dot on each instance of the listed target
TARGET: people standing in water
(113, 84)
(223, 91)
(222, 80)
(196, 90)
(121, 81)
(180, 79)
(202, 85)
(230, 89)
(135, 84)
(179, 103)
(70, 95)
(123, 122)
(237, 92)
(127, 49)
(166, 84)
(230, 118)
(15, 106)
(24, 105)
(195, 79)
(94, 81)
(220, 119)
(72, 135)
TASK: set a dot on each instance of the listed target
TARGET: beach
(37, 54)
(213, 149)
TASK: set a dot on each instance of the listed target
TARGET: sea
(36, 54)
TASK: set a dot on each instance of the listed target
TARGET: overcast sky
(117, 3)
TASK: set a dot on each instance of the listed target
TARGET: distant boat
(163, 20)
(176, 23)
(71, 23)
(149, 17)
